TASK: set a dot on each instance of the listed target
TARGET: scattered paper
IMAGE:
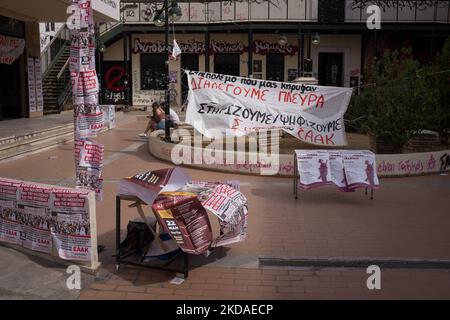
(177, 281)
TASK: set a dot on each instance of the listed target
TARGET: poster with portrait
(313, 168)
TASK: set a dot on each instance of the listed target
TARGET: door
(275, 67)
(331, 69)
(189, 61)
(227, 63)
(10, 91)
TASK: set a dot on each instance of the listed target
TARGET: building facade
(20, 44)
(265, 39)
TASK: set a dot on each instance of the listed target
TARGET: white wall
(45, 36)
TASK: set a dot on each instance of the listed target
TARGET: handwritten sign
(234, 106)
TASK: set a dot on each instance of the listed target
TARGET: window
(153, 71)
(275, 67)
(227, 63)
(49, 26)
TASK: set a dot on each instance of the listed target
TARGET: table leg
(295, 178)
(186, 265)
(117, 232)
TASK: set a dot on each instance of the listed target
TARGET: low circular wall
(250, 163)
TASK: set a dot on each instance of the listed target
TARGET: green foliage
(438, 108)
(391, 106)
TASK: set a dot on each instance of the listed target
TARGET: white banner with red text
(221, 105)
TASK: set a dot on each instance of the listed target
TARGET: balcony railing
(226, 11)
(403, 11)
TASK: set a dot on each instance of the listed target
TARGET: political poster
(221, 105)
(228, 204)
(39, 90)
(360, 170)
(89, 153)
(45, 218)
(147, 185)
(88, 116)
(182, 207)
(183, 217)
(32, 105)
(109, 116)
(89, 120)
(346, 169)
(89, 158)
(313, 168)
(337, 169)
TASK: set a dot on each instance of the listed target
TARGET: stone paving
(408, 219)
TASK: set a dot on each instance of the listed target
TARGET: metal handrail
(52, 49)
(56, 36)
(108, 26)
(64, 96)
(64, 67)
(54, 59)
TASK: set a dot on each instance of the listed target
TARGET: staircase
(25, 143)
(52, 85)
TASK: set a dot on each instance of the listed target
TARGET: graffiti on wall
(412, 164)
(445, 162)
(115, 88)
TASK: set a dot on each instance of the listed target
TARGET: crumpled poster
(182, 206)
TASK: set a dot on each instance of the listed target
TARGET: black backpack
(139, 237)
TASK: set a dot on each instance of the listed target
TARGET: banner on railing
(227, 105)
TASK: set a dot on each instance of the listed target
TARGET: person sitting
(158, 119)
(173, 116)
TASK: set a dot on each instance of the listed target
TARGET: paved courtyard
(408, 219)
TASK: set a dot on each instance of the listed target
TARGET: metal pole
(117, 231)
(207, 49)
(125, 58)
(167, 94)
(300, 51)
(250, 53)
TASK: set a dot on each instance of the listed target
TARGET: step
(36, 135)
(35, 141)
(17, 146)
(50, 111)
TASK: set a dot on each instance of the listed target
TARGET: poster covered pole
(167, 93)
